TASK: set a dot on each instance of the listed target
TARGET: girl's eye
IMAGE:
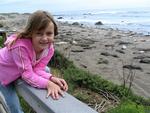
(49, 33)
(40, 34)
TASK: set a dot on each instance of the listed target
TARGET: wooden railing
(36, 98)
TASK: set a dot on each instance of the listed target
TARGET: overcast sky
(67, 5)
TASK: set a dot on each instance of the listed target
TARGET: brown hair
(37, 21)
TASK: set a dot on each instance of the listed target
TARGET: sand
(100, 51)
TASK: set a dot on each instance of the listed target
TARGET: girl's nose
(45, 37)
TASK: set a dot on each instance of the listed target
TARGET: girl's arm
(39, 68)
(23, 62)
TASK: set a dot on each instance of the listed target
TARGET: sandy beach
(100, 51)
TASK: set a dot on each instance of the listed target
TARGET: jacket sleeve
(39, 68)
(23, 62)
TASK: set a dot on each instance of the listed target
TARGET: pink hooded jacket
(20, 61)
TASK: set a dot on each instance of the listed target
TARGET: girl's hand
(61, 82)
(53, 90)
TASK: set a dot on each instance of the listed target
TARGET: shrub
(1, 41)
(128, 107)
(59, 61)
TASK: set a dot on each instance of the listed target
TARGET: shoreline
(119, 27)
(100, 51)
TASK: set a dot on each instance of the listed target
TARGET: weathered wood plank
(36, 98)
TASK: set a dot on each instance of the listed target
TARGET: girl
(26, 55)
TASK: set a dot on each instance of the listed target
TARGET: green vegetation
(1, 41)
(2, 38)
(128, 107)
(25, 106)
(76, 78)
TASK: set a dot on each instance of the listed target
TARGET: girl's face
(42, 39)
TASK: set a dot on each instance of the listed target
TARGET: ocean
(135, 19)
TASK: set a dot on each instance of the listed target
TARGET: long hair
(37, 21)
